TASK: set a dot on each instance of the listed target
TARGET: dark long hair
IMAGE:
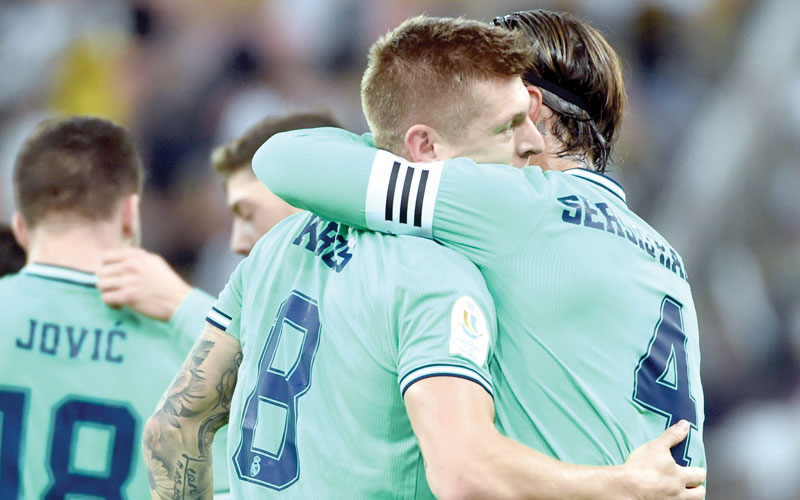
(581, 80)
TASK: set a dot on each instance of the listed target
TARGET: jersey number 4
(66, 419)
(661, 379)
(267, 452)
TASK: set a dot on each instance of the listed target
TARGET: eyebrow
(513, 122)
(240, 206)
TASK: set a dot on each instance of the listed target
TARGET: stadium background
(709, 152)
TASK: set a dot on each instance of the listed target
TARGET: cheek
(266, 220)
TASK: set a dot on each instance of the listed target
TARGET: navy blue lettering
(613, 220)
(677, 267)
(577, 206)
(587, 221)
(629, 233)
(648, 246)
(662, 255)
(43, 344)
(343, 252)
(110, 346)
(575, 215)
(29, 344)
(75, 347)
(311, 230)
(327, 237)
(638, 233)
(97, 335)
(326, 243)
(49, 341)
(328, 259)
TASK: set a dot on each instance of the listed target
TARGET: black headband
(530, 78)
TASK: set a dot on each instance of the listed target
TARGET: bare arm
(466, 457)
(177, 437)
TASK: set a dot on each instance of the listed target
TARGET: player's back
(77, 381)
(328, 348)
(598, 344)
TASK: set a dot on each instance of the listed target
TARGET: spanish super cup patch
(469, 336)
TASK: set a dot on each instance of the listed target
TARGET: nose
(530, 140)
(240, 243)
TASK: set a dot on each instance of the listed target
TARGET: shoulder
(9, 285)
(420, 258)
(6, 280)
(283, 229)
(12, 285)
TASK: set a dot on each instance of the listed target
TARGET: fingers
(107, 283)
(674, 434)
(117, 255)
(121, 261)
(115, 298)
(698, 493)
(695, 476)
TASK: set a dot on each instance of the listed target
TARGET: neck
(561, 164)
(76, 247)
(548, 160)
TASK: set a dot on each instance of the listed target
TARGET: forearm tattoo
(178, 469)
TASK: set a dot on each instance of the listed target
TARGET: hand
(656, 476)
(141, 280)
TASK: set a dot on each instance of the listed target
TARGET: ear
(20, 230)
(536, 101)
(130, 217)
(423, 143)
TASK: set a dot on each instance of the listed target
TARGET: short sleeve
(227, 309)
(187, 320)
(446, 324)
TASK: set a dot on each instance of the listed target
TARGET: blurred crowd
(709, 153)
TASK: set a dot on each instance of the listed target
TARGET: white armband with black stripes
(401, 195)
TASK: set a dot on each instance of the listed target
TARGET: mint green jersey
(335, 324)
(598, 343)
(78, 379)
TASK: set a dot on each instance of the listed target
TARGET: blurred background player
(318, 408)
(598, 347)
(79, 377)
(255, 210)
(145, 282)
(12, 256)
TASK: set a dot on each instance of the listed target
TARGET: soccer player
(351, 345)
(255, 210)
(598, 343)
(144, 281)
(78, 378)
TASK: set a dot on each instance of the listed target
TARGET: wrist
(622, 483)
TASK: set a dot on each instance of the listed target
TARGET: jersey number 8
(267, 452)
